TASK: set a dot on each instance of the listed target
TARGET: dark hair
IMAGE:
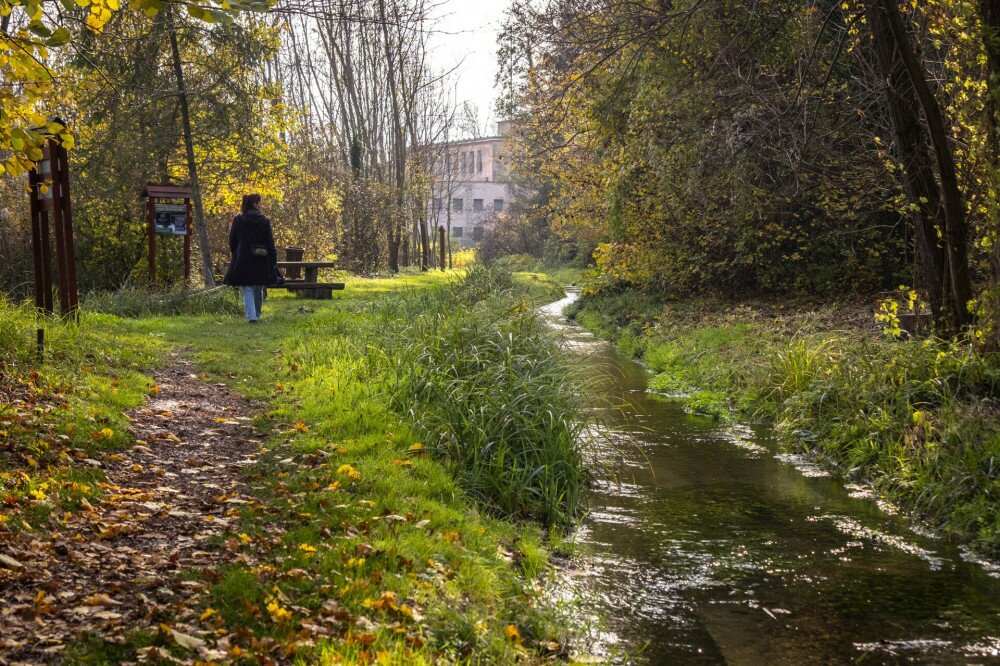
(250, 201)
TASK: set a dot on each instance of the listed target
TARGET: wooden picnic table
(310, 287)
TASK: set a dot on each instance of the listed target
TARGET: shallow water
(715, 548)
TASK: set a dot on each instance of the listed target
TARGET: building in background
(470, 187)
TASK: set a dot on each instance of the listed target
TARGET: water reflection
(709, 546)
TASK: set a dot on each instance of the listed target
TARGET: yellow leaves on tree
(30, 96)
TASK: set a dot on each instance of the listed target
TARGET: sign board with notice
(170, 219)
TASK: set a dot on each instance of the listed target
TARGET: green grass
(69, 406)
(350, 511)
(141, 302)
(487, 386)
(915, 419)
(715, 367)
(528, 266)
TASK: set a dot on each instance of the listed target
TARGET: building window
(477, 205)
(477, 233)
(456, 232)
(463, 160)
(498, 205)
(479, 161)
(437, 204)
(458, 205)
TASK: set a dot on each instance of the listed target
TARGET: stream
(713, 547)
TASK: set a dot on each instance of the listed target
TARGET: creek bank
(916, 420)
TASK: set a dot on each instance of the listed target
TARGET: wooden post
(151, 231)
(187, 243)
(441, 247)
(63, 259)
(47, 261)
(65, 206)
(294, 254)
(43, 281)
(52, 172)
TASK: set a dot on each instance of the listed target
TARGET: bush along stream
(417, 435)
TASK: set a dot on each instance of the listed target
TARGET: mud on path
(116, 566)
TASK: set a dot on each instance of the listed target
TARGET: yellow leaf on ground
(349, 471)
(300, 426)
(512, 633)
(99, 599)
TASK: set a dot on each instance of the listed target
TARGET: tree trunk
(424, 253)
(955, 230)
(399, 147)
(199, 209)
(394, 253)
(989, 14)
(441, 249)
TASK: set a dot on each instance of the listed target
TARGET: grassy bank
(382, 494)
(916, 419)
(535, 268)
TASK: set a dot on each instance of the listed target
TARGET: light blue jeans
(253, 298)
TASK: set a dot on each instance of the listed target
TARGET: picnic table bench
(309, 286)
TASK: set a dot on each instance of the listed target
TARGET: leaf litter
(114, 566)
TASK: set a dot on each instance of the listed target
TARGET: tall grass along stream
(484, 381)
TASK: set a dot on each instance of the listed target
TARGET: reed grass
(133, 301)
(486, 385)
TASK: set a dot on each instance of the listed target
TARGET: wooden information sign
(168, 213)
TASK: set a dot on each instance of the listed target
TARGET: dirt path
(115, 567)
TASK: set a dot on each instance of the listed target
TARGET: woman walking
(254, 259)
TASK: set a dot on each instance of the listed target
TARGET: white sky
(466, 37)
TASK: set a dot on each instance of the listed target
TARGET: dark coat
(251, 229)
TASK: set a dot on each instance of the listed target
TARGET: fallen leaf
(10, 562)
(99, 599)
(349, 471)
(184, 640)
